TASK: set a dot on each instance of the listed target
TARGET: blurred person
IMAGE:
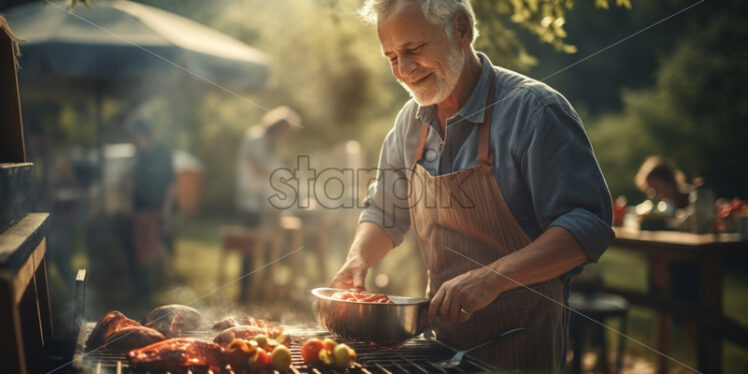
(503, 189)
(660, 179)
(256, 160)
(153, 202)
(691, 204)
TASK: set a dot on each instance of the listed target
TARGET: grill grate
(414, 356)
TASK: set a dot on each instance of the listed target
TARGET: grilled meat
(246, 333)
(172, 320)
(179, 353)
(131, 337)
(235, 321)
(108, 325)
(362, 297)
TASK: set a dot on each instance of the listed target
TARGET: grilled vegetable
(259, 361)
(280, 359)
(239, 352)
(344, 356)
(310, 350)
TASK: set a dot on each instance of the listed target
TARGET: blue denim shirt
(543, 160)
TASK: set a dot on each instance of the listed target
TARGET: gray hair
(439, 12)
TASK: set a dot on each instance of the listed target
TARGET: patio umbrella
(116, 47)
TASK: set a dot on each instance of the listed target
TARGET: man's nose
(405, 66)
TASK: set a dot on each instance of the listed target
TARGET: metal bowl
(382, 324)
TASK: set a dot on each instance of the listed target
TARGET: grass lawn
(624, 269)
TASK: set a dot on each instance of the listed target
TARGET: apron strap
(485, 157)
(421, 142)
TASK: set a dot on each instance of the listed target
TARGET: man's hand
(351, 276)
(553, 253)
(458, 298)
(369, 245)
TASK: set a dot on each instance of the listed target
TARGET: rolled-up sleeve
(565, 181)
(387, 201)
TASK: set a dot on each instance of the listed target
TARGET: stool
(600, 307)
(249, 243)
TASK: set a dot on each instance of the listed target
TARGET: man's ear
(463, 33)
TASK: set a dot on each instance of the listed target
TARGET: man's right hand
(369, 245)
(351, 276)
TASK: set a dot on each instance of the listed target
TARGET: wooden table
(707, 252)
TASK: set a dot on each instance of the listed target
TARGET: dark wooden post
(11, 131)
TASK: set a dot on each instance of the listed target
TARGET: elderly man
(503, 190)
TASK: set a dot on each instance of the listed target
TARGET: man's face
(424, 60)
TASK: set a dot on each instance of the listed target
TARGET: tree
(545, 19)
(696, 112)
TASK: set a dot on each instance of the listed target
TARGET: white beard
(444, 85)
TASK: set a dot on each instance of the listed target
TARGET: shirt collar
(474, 108)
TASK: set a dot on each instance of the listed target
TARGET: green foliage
(326, 64)
(695, 114)
(543, 18)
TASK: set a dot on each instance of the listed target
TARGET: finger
(464, 314)
(342, 280)
(466, 309)
(444, 309)
(457, 309)
(435, 304)
(455, 306)
(340, 283)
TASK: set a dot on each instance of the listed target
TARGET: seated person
(658, 177)
(666, 182)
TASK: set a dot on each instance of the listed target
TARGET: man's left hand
(458, 298)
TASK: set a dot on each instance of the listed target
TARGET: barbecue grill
(417, 355)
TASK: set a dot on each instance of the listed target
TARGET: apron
(466, 212)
